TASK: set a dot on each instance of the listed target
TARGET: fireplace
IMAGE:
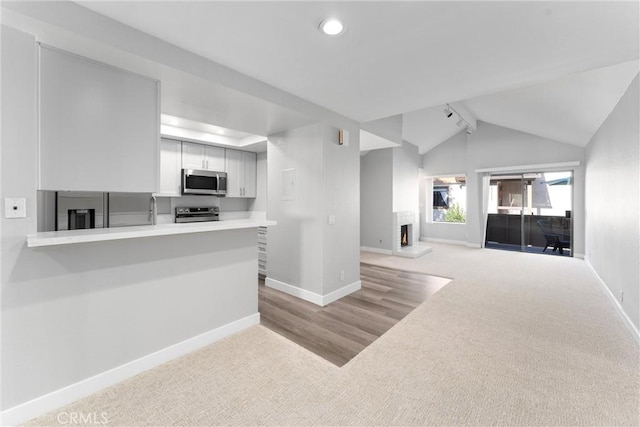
(404, 235)
(406, 231)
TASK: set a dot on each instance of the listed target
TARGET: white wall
(492, 146)
(406, 164)
(72, 312)
(613, 189)
(389, 128)
(448, 158)
(305, 252)
(295, 246)
(376, 199)
(341, 240)
(389, 183)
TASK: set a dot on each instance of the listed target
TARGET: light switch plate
(15, 207)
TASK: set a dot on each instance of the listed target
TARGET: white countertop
(53, 238)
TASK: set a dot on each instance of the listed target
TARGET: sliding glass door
(530, 212)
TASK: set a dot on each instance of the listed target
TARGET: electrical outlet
(621, 296)
(342, 275)
(15, 208)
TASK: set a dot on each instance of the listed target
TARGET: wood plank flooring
(342, 329)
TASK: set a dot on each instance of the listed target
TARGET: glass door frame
(526, 205)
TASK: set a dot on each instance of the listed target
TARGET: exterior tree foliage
(455, 214)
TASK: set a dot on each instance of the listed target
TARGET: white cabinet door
(170, 167)
(89, 139)
(241, 173)
(234, 173)
(193, 156)
(214, 158)
(249, 165)
(204, 157)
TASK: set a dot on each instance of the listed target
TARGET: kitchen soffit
(191, 130)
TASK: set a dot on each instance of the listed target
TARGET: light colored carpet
(514, 339)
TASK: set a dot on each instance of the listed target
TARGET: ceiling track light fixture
(461, 121)
(448, 112)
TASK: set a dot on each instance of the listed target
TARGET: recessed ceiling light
(331, 27)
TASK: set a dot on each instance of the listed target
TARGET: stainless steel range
(197, 214)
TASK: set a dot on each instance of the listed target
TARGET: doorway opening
(531, 212)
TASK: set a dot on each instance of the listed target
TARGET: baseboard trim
(474, 245)
(294, 291)
(312, 297)
(616, 304)
(56, 399)
(447, 241)
(376, 250)
(342, 292)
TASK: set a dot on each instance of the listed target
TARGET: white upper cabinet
(241, 173)
(99, 126)
(234, 173)
(204, 157)
(192, 156)
(214, 157)
(170, 168)
(250, 165)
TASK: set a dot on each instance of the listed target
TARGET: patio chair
(547, 232)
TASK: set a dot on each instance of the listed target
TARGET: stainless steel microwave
(204, 182)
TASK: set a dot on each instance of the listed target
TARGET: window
(449, 199)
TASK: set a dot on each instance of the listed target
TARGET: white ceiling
(413, 57)
(569, 109)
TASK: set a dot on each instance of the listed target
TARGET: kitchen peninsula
(141, 295)
(53, 238)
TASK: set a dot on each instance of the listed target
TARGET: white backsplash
(167, 206)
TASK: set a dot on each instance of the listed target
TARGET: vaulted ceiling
(555, 69)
